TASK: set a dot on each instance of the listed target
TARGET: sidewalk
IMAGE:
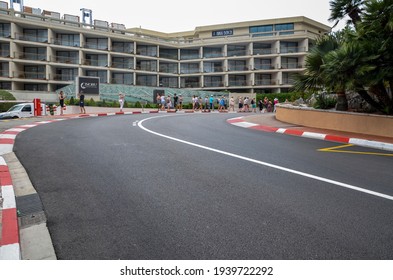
(16, 240)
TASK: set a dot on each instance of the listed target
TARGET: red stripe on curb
(264, 128)
(10, 232)
(5, 178)
(102, 114)
(136, 113)
(7, 141)
(294, 132)
(339, 139)
(84, 115)
(4, 168)
(119, 113)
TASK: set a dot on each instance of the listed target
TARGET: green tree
(341, 8)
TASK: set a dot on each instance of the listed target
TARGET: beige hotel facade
(43, 51)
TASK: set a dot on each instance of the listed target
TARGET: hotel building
(43, 51)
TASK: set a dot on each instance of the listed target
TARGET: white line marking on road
(135, 123)
(318, 178)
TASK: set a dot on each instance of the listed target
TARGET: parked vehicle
(23, 110)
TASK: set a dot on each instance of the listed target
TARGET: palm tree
(341, 8)
(320, 74)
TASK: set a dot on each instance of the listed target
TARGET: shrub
(324, 101)
(5, 95)
(138, 105)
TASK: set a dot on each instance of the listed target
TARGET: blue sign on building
(226, 32)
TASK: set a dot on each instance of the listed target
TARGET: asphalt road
(115, 188)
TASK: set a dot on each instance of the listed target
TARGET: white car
(23, 110)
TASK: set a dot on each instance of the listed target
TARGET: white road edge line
(318, 178)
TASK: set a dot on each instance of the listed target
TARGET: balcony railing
(122, 65)
(237, 68)
(102, 47)
(237, 83)
(237, 52)
(64, 77)
(292, 49)
(213, 54)
(213, 84)
(30, 56)
(94, 62)
(65, 59)
(148, 68)
(191, 85)
(166, 69)
(265, 82)
(4, 53)
(67, 43)
(213, 70)
(291, 66)
(264, 51)
(29, 75)
(31, 38)
(264, 67)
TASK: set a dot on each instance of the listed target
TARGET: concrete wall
(343, 121)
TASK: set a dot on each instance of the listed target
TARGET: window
(146, 80)
(70, 40)
(171, 82)
(169, 68)
(237, 65)
(122, 62)
(270, 30)
(96, 60)
(122, 78)
(34, 53)
(100, 74)
(146, 50)
(237, 80)
(35, 35)
(97, 43)
(123, 47)
(169, 53)
(211, 67)
(209, 52)
(66, 74)
(4, 69)
(35, 87)
(289, 47)
(189, 54)
(289, 62)
(67, 57)
(213, 81)
(34, 72)
(5, 50)
(189, 68)
(234, 50)
(5, 30)
(146, 65)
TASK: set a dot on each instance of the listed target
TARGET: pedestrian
(158, 101)
(180, 102)
(169, 103)
(175, 101)
(121, 101)
(253, 105)
(61, 100)
(232, 104)
(240, 104)
(221, 103)
(260, 104)
(211, 102)
(82, 102)
(163, 102)
(275, 103)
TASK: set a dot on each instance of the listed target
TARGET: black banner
(88, 85)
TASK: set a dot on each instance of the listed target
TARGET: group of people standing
(167, 103)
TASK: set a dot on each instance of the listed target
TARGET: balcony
(214, 84)
(291, 66)
(237, 53)
(238, 83)
(265, 82)
(29, 75)
(292, 49)
(30, 56)
(237, 68)
(65, 59)
(31, 38)
(263, 67)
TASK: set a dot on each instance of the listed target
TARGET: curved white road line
(318, 178)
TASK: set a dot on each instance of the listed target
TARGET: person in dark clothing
(82, 102)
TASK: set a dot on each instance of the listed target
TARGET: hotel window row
(38, 56)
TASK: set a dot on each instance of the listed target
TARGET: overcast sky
(181, 15)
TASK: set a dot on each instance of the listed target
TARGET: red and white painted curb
(9, 243)
(320, 136)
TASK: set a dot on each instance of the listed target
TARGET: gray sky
(180, 15)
